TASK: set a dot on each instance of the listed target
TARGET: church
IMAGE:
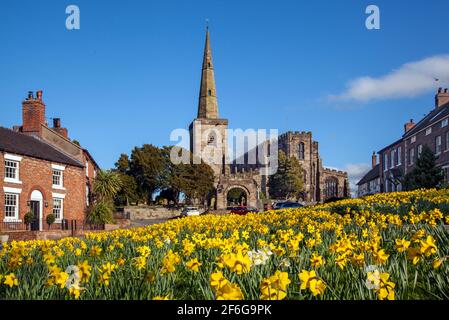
(210, 132)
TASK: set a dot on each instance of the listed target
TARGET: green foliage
(147, 167)
(122, 164)
(128, 192)
(106, 185)
(287, 182)
(28, 218)
(50, 219)
(100, 213)
(425, 174)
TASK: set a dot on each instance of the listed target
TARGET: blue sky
(131, 74)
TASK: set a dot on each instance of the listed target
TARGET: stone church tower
(208, 133)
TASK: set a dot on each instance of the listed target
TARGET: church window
(211, 139)
(301, 151)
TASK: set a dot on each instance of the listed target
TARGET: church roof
(208, 105)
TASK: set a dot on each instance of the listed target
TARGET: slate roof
(434, 116)
(371, 175)
(22, 144)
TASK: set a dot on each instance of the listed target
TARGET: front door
(35, 210)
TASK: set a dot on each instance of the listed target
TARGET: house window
(444, 123)
(11, 170)
(57, 179)
(87, 195)
(399, 156)
(413, 139)
(87, 168)
(419, 150)
(392, 156)
(438, 145)
(428, 131)
(301, 151)
(447, 140)
(385, 162)
(11, 206)
(58, 209)
(411, 156)
(446, 174)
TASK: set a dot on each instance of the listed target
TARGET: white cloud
(356, 171)
(410, 80)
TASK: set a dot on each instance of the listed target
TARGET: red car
(242, 210)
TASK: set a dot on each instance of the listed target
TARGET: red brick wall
(36, 174)
(33, 115)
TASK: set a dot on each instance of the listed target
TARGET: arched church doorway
(237, 196)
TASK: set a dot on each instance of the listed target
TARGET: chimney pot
(440, 89)
(30, 95)
(445, 90)
(374, 159)
(56, 122)
(39, 95)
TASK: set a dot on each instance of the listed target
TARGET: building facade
(209, 140)
(42, 171)
(399, 158)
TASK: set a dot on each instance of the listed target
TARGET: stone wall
(143, 212)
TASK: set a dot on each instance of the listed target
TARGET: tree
(122, 164)
(425, 174)
(106, 185)
(128, 192)
(147, 167)
(287, 182)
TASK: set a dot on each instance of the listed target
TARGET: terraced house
(42, 171)
(399, 158)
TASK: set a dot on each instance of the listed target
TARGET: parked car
(288, 205)
(243, 210)
(190, 211)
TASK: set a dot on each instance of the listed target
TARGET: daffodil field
(387, 246)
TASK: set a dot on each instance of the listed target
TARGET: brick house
(42, 171)
(399, 158)
(370, 183)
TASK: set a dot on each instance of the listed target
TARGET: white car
(190, 211)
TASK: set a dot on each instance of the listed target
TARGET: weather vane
(207, 23)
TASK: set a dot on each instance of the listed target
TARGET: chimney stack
(442, 97)
(409, 125)
(57, 127)
(374, 159)
(33, 114)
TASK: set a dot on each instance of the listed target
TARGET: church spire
(208, 105)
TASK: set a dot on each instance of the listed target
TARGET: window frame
(392, 156)
(429, 131)
(411, 157)
(399, 155)
(438, 145)
(16, 195)
(444, 122)
(16, 160)
(61, 209)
